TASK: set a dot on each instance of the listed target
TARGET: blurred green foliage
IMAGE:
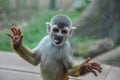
(35, 29)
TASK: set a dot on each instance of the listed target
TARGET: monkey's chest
(51, 61)
(51, 56)
(52, 65)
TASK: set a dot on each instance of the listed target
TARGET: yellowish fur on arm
(27, 54)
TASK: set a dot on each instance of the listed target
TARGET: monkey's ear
(48, 26)
(72, 30)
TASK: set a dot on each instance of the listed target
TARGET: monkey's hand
(16, 37)
(88, 67)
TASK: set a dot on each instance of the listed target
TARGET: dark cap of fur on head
(61, 21)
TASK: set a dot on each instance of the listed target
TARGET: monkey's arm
(29, 55)
(85, 67)
(72, 68)
(76, 69)
(32, 56)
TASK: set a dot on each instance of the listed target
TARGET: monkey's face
(59, 29)
(59, 35)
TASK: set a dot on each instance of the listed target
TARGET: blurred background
(97, 21)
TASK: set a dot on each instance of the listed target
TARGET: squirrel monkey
(54, 52)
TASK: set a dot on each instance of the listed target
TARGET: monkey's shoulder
(46, 45)
(45, 41)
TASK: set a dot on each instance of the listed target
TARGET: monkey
(54, 52)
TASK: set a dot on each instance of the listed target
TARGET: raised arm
(32, 56)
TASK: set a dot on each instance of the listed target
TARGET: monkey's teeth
(56, 41)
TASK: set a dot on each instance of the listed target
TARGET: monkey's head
(60, 29)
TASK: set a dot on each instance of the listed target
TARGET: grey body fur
(54, 59)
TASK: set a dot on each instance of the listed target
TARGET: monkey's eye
(64, 31)
(55, 30)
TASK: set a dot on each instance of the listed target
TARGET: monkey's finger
(19, 31)
(13, 29)
(95, 64)
(98, 69)
(16, 30)
(99, 66)
(92, 71)
(10, 36)
(87, 60)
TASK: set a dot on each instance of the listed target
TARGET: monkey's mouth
(58, 39)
